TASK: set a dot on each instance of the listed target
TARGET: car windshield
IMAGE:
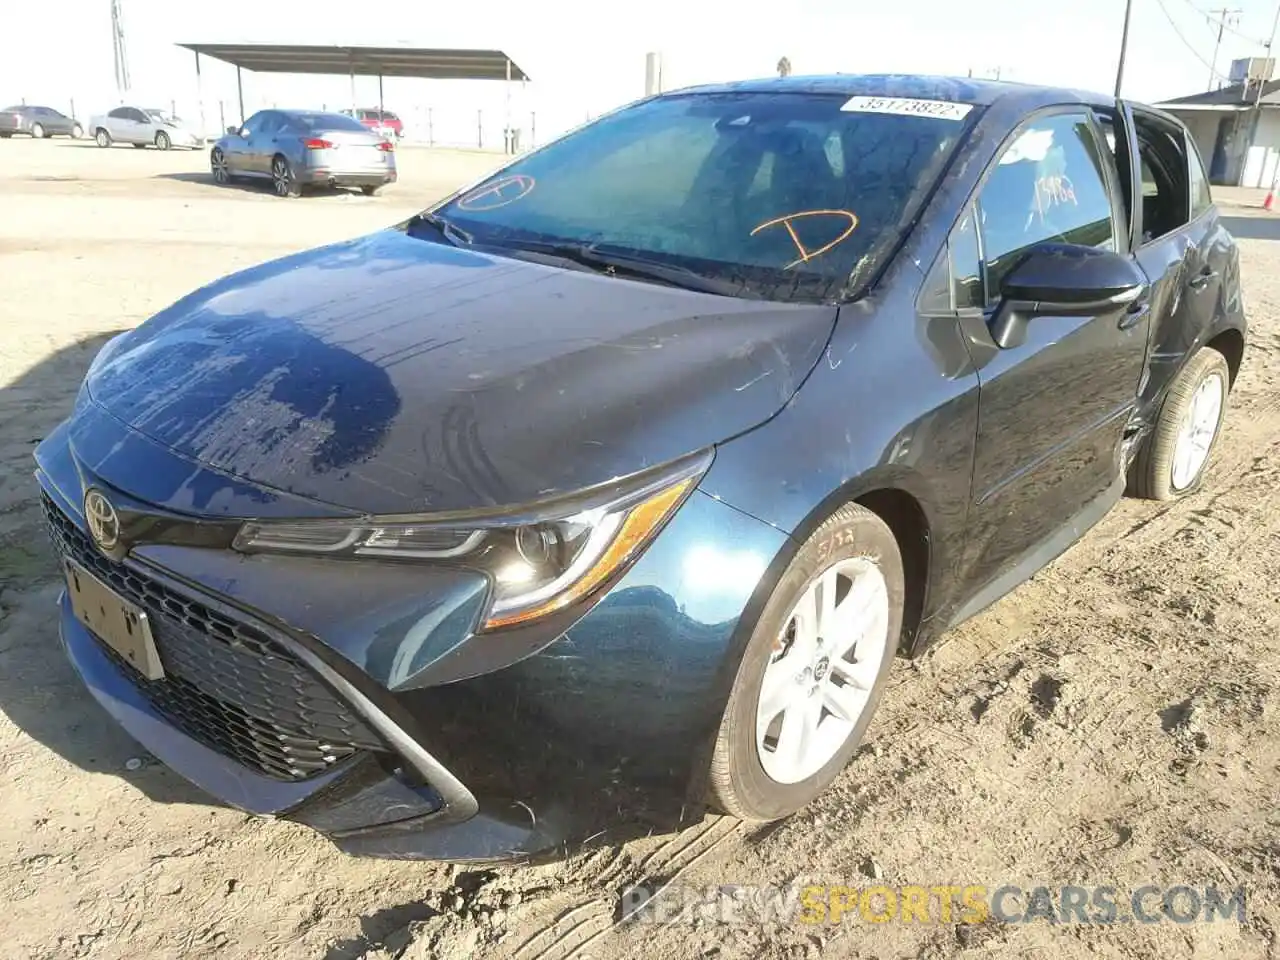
(164, 116)
(326, 121)
(782, 196)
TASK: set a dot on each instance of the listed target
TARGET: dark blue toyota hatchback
(608, 488)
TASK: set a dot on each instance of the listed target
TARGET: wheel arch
(1230, 343)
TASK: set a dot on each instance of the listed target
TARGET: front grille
(226, 684)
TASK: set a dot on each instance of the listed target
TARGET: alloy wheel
(823, 668)
(37, 131)
(1197, 432)
(280, 176)
(218, 163)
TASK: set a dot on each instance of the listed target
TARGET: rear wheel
(37, 131)
(5, 136)
(283, 181)
(813, 671)
(77, 131)
(369, 191)
(162, 141)
(102, 138)
(1172, 460)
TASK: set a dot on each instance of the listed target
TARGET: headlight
(539, 560)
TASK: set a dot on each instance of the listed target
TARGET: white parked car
(142, 127)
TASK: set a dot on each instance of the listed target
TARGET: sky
(588, 57)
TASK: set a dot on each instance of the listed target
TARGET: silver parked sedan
(298, 148)
(143, 127)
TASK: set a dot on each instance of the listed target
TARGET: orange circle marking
(498, 193)
(806, 255)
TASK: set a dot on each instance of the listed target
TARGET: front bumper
(486, 747)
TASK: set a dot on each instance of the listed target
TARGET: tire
(162, 141)
(77, 131)
(101, 137)
(218, 167)
(369, 191)
(851, 539)
(37, 131)
(283, 182)
(1172, 460)
(5, 136)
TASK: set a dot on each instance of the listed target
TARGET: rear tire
(102, 138)
(37, 131)
(283, 182)
(753, 775)
(77, 131)
(5, 136)
(218, 167)
(162, 141)
(369, 191)
(1172, 460)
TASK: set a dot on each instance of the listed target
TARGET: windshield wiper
(623, 265)
(446, 228)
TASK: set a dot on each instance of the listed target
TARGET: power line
(1209, 18)
(1187, 43)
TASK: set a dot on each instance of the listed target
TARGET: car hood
(390, 374)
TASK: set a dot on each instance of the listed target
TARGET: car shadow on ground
(262, 186)
(1253, 228)
(40, 692)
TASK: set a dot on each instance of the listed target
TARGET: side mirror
(1064, 279)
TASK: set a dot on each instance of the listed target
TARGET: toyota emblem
(103, 521)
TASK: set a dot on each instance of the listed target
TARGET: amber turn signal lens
(641, 522)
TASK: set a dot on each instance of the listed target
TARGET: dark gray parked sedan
(38, 122)
(299, 148)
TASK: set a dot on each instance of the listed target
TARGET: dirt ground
(1114, 721)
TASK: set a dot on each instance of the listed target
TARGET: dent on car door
(1054, 407)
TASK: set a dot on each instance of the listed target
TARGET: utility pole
(117, 47)
(1124, 45)
(1223, 14)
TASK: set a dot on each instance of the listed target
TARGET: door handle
(1201, 279)
(1135, 314)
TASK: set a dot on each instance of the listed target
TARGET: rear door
(1181, 245)
(262, 143)
(1053, 410)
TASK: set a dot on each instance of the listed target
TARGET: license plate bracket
(121, 625)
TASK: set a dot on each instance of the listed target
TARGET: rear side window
(119, 113)
(1047, 186)
(1201, 199)
(325, 121)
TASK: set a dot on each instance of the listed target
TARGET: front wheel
(813, 670)
(1172, 459)
(218, 164)
(162, 141)
(283, 181)
(37, 131)
(102, 138)
(77, 131)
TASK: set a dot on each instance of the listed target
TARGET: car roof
(914, 86)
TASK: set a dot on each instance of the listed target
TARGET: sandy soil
(1114, 721)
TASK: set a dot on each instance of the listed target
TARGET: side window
(119, 113)
(1047, 187)
(254, 124)
(1201, 200)
(139, 116)
(1165, 169)
(966, 264)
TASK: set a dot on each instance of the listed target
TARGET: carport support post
(380, 120)
(204, 131)
(509, 137)
(240, 92)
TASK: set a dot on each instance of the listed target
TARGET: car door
(236, 148)
(1053, 410)
(260, 146)
(1182, 245)
(117, 124)
(58, 123)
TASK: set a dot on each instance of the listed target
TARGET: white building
(1237, 131)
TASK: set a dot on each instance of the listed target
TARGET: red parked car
(381, 121)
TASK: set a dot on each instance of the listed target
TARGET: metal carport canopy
(431, 64)
(435, 64)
